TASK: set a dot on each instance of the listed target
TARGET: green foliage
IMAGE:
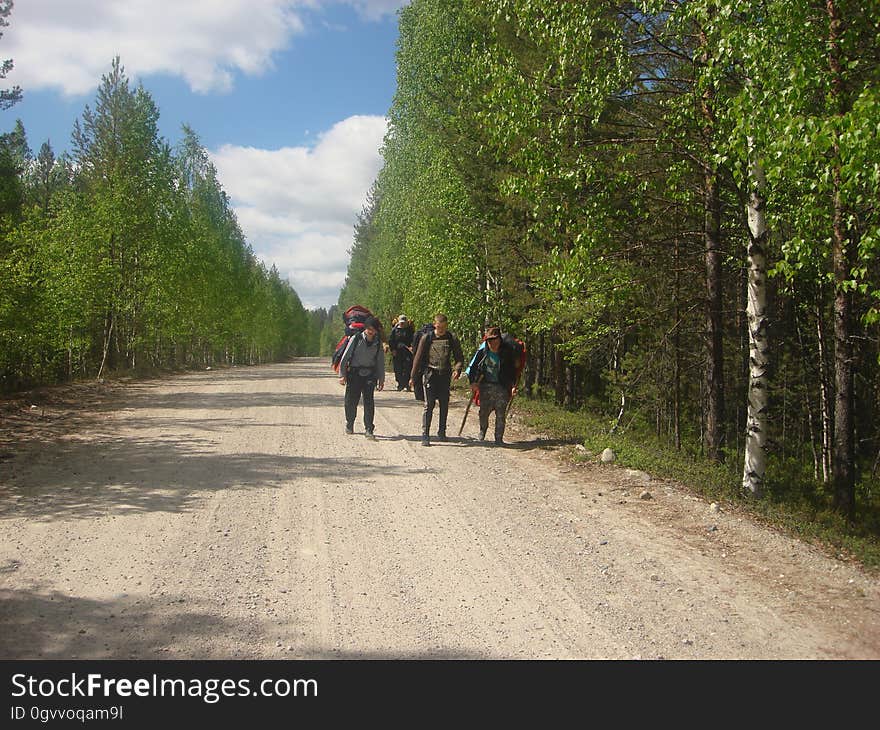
(129, 256)
(8, 97)
(567, 169)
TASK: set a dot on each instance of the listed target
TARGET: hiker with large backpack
(361, 371)
(437, 361)
(493, 373)
(353, 318)
(400, 345)
(418, 387)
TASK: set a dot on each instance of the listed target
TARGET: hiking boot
(370, 436)
(426, 441)
(482, 435)
(349, 430)
(441, 436)
(499, 441)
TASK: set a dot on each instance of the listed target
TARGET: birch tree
(755, 461)
(823, 157)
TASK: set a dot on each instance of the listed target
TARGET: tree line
(675, 204)
(126, 254)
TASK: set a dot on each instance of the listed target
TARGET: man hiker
(400, 344)
(362, 370)
(438, 361)
(418, 388)
(493, 375)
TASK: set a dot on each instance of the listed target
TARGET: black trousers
(402, 361)
(437, 384)
(419, 387)
(355, 387)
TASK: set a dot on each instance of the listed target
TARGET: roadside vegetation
(675, 205)
(125, 256)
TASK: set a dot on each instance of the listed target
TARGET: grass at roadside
(792, 501)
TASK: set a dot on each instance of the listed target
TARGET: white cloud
(68, 44)
(297, 206)
(376, 9)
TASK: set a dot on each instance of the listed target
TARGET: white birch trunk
(825, 400)
(755, 462)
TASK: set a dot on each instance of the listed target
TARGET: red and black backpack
(354, 318)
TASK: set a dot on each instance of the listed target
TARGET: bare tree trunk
(559, 375)
(107, 338)
(824, 397)
(540, 362)
(714, 434)
(755, 461)
(529, 381)
(812, 436)
(570, 386)
(619, 413)
(715, 359)
(844, 422)
(808, 400)
(676, 362)
(70, 354)
(844, 448)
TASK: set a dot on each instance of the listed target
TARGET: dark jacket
(507, 372)
(400, 339)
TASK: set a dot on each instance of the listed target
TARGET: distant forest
(126, 255)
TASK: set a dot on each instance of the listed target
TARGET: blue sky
(288, 96)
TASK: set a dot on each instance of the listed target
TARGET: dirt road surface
(225, 515)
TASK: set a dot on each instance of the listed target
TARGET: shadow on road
(53, 625)
(166, 475)
(268, 399)
(76, 465)
(472, 442)
(57, 626)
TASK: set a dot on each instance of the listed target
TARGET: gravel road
(226, 515)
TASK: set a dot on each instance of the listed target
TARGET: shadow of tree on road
(251, 400)
(52, 625)
(473, 442)
(47, 624)
(169, 475)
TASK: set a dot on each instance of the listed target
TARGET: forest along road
(226, 515)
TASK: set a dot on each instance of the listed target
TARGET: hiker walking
(437, 361)
(362, 370)
(418, 387)
(493, 373)
(400, 344)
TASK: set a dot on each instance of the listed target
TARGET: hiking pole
(510, 402)
(509, 406)
(470, 403)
